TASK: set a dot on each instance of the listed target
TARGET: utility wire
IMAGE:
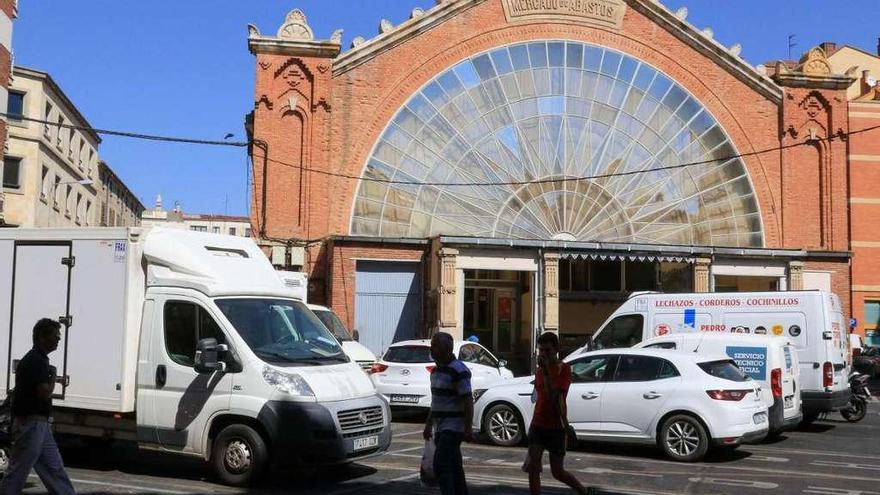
(568, 179)
(135, 135)
(242, 144)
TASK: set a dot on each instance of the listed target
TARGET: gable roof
(675, 23)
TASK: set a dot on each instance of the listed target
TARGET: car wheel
(504, 426)
(4, 461)
(239, 455)
(684, 439)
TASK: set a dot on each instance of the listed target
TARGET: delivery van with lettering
(771, 361)
(812, 320)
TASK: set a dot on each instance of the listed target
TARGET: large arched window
(545, 111)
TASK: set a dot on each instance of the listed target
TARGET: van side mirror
(356, 336)
(502, 363)
(590, 345)
(207, 358)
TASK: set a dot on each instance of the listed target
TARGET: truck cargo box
(92, 281)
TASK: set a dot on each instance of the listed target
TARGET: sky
(182, 68)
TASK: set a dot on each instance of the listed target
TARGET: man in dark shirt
(33, 445)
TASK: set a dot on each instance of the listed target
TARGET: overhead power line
(566, 179)
(242, 144)
(134, 135)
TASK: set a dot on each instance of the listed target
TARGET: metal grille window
(549, 111)
(11, 172)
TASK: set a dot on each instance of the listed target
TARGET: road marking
(764, 458)
(615, 471)
(761, 485)
(837, 491)
(408, 449)
(494, 480)
(824, 453)
(848, 465)
(361, 488)
(120, 485)
(406, 434)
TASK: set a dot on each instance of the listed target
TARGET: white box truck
(812, 320)
(187, 343)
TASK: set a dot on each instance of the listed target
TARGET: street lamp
(54, 185)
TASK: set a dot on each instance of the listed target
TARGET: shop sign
(601, 13)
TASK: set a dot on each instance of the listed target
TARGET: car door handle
(590, 396)
(161, 376)
(651, 395)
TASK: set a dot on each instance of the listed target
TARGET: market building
(500, 168)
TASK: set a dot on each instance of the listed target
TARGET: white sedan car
(403, 374)
(682, 402)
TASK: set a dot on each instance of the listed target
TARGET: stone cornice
(813, 81)
(402, 33)
(707, 46)
(276, 46)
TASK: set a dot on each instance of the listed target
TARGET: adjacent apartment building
(8, 12)
(52, 175)
(177, 219)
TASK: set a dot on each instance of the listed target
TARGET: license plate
(405, 399)
(366, 442)
(760, 418)
(789, 402)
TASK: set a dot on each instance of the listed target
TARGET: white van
(354, 349)
(770, 361)
(813, 320)
(187, 343)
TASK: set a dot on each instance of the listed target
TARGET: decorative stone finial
(416, 13)
(735, 49)
(336, 37)
(158, 201)
(295, 27)
(681, 13)
(761, 69)
(815, 63)
(357, 41)
(253, 31)
(707, 32)
(385, 26)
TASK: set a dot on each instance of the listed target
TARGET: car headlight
(289, 383)
(479, 393)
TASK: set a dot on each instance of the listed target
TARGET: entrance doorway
(497, 307)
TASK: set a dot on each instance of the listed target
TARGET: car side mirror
(207, 358)
(502, 363)
(590, 345)
(356, 336)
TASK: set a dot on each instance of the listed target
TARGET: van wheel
(239, 455)
(503, 426)
(684, 439)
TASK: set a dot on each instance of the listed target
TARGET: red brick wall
(363, 99)
(343, 264)
(864, 167)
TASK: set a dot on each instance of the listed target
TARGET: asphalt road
(831, 457)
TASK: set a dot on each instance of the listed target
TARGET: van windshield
(282, 331)
(334, 324)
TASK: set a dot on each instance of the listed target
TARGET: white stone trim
(750, 269)
(865, 115)
(5, 31)
(484, 259)
(864, 158)
(4, 101)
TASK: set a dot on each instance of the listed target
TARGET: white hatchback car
(680, 401)
(403, 374)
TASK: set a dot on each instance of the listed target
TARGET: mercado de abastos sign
(602, 13)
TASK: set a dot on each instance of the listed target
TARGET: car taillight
(430, 368)
(378, 368)
(827, 374)
(731, 395)
(776, 382)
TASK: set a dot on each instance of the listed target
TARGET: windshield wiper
(278, 355)
(319, 359)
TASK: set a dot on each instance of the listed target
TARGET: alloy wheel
(682, 438)
(238, 456)
(503, 425)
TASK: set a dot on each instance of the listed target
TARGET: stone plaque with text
(602, 13)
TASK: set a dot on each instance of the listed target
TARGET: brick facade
(319, 115)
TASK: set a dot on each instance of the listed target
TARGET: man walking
(549, 428)
(451, 416)
(33, 445)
